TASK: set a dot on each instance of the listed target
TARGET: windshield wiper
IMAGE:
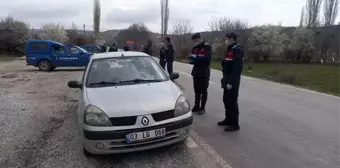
(140, 80)
(103, 83)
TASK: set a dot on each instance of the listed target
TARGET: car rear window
(38, 46)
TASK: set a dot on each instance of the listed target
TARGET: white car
(128, 103)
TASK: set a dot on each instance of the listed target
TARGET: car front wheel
(45, 65)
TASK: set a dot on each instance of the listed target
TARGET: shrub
(13, 34)
(55, 32)
(303, 44)
(268, 41)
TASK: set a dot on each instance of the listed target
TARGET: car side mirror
(74, 84)
(174, 75)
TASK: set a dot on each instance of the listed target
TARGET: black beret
(196, 36)
(231, 35)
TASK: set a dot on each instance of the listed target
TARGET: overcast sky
(117, 14)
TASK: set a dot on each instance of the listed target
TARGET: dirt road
(35, 108)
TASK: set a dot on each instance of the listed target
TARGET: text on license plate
(145, 135)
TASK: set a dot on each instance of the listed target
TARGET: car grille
(163, 115)
(123, 121)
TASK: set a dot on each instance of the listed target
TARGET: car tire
(44, 65)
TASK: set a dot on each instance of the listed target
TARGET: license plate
(145, 135)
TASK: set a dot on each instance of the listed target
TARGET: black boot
(223, 122)
(201, 111)
(204, 101)
(195, 108)
(232, 128)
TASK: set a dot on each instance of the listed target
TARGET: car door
(59, 55)
(90, 49)
(76, 56)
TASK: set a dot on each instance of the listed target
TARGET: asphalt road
(280, 126)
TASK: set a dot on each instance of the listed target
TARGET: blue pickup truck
(91, 48)
(47, 55)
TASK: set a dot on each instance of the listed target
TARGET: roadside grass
(322, 78)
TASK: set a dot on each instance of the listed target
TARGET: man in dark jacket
(200, 57)
(126, 48)
(232, 66)
(162, 56)
(103, 48)
(148, 48)
(113, 48)
(169, 55)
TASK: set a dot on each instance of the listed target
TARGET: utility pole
(32, 33)
(84, 29)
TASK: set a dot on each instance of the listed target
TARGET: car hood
(132, 100)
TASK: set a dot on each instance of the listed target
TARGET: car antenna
(122, 55)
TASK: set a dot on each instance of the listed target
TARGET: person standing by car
(113, 48)
(126, 48)
(103, 48)
(232, 66)
(162, 56)
(148, 48)
(200, 57)
(169, 55)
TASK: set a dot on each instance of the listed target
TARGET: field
(323, 78)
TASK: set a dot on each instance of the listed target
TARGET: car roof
(88, 45)
(46, 41)
(119, 54)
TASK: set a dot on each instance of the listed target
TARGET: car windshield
(81, 49)
(124, 70)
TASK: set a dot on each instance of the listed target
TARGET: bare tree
(330, 11)
(312, 13)
(330, 14)
(164, 17)
(182, 27)
(181, 36)
(226, 24)
(96, 17)
(72, 33)
(302, 16)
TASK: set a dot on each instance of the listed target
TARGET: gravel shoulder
(38, 126)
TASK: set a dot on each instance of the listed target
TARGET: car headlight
(94, 116)
(182, 106)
